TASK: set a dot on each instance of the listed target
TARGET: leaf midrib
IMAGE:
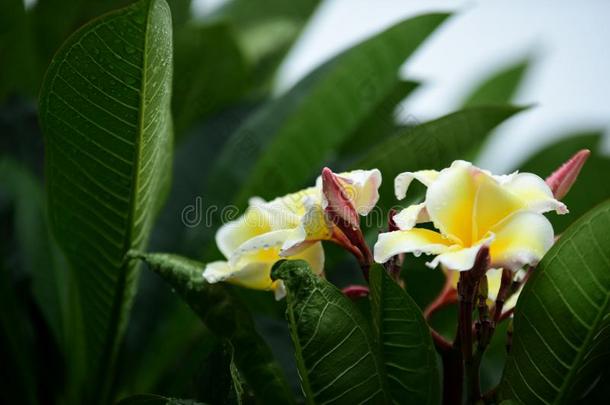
(119, 298)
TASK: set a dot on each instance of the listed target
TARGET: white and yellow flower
(472, 208)
(289, 227)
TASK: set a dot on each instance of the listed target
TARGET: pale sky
(568, 80)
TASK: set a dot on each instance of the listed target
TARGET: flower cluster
(292, 227)
(466, 209)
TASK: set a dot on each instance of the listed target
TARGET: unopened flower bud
(563, 178)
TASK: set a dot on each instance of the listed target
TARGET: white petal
(314, 226)
(461, 259)
(280, 290)
(314, 255)
(521, 239)
(535, 193)
(403, 181)
(215, 272)
(267, 244)
(412, 215)
(362, 188)
(414, 241)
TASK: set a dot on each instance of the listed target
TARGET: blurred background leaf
(500, 87)
(209, 73)
(227, 319)
(266, 31)
(590, 189)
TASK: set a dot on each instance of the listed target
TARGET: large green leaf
(434, 144)
(210, 71)
(105, 113)
(562, 322)
(499, 88)
(303, 128)
(226, 318)
(589, 190)
(405, 343)
(334, 347)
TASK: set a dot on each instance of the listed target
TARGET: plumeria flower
(472, 208)
(289, 227)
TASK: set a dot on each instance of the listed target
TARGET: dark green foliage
(561, 328)
(433, 145)
(590, 189)
(71, 237)
(405, 344)
(334, 347)
(226, 318)
(105, 113)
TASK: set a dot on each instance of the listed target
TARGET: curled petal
(521, 239)
(459, 258)
(253, 269)
(314, 227)
(414, 241)
(232, 234)
(403, 181)
(362, 188)
(563, 178)
(410, 216)
(535, 193)
(215, 272)
(261, 248)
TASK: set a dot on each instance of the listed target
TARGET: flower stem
(467, 287)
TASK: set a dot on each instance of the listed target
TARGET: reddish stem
(446, 297)
(355, 291)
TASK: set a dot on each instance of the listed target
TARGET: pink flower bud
(563, 178)
(338, 205)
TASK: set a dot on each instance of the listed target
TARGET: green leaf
(19, 68)
(589, 190)
(105, 113)
(499, 88)
(562, 319)
(334, 347)
(226, 318)
(266, 30)
(210, 72)
(33, 240)
(405, 343)
(381, 121)
(304, 127)
(434, 144)
(52, 285)
(152, 399)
